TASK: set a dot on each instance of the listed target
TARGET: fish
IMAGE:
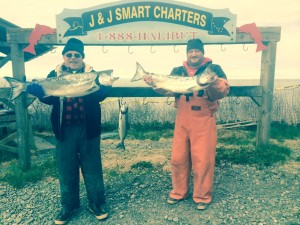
(123, 125)
(69, 85)
(177, 84)
(255, 34)
(36, 35)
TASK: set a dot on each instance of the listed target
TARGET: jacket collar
(61, 69)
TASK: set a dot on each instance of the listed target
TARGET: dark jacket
(92, 111)
(181, 71)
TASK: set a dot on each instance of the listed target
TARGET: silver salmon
(70, 85)
(123, 125)
(177, 84)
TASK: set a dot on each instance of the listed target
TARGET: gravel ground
(242, 195)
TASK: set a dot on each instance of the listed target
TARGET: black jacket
(181, 71)
(92, 111)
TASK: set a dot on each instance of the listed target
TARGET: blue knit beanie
(195, 44)
(74, 44)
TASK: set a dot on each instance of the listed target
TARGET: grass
(266, 155)
(142, 165)
(7, 156)
(129, 175)
(239, 147)
(282, 131)
(151, 134)
(18, 178)
(236, 146)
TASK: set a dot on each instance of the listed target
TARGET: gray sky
(237, 63)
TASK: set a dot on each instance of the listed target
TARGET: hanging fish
(123, 125)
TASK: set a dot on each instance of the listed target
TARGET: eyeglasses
(76, 55)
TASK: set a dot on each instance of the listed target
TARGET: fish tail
(30, 49)
(16, 87)
(260, 46)
(139, 73)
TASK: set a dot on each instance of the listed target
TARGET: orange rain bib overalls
(195, 139)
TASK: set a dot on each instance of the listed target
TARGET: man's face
(194, 57)
(73, 60)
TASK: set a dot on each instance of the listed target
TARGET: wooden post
(267, 82)
(18, 67)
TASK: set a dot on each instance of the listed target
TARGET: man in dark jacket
(76, 123)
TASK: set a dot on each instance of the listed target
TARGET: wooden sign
(146, 22)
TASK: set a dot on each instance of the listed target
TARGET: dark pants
(74, 152)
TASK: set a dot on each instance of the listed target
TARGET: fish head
(206, 78)
(105, 78)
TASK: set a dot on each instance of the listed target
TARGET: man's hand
(35, 89)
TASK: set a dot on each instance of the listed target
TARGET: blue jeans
(73, 152)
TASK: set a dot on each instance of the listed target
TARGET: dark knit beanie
(74, 45)
(195, 44)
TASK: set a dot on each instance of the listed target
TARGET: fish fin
(115, 78)
(139, 73)
(205, 85)
(16, 87)
(192, 89)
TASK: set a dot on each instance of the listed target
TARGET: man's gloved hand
(35, 89)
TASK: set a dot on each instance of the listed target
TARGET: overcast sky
(236, 62)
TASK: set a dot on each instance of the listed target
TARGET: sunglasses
(76, 55)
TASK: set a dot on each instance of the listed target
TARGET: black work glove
(35, 89)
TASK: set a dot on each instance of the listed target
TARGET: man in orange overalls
(195, 134)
